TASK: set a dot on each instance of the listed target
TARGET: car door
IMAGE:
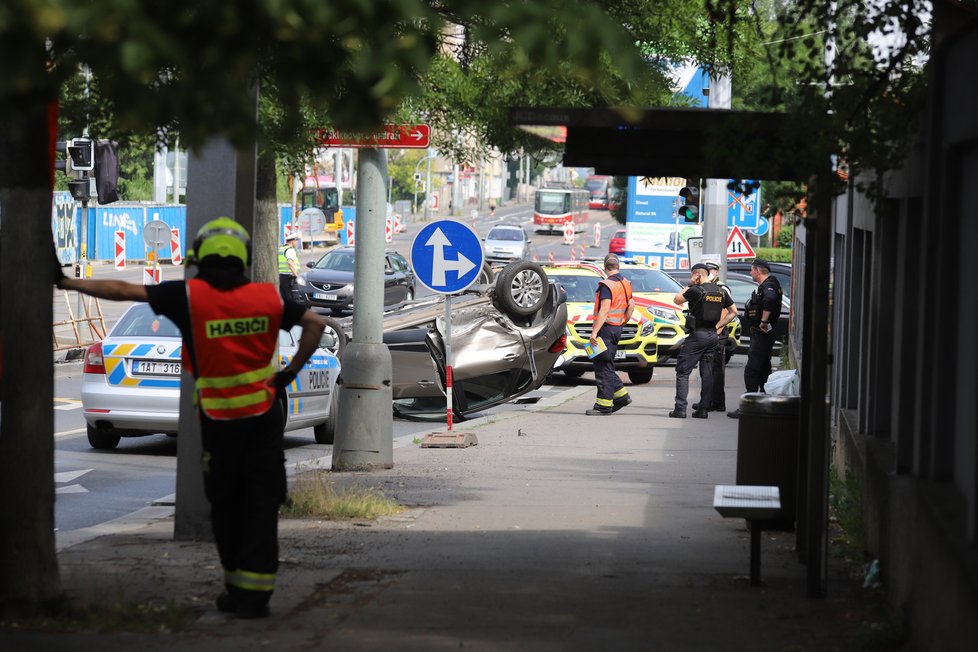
(308, 397)
(393, 282)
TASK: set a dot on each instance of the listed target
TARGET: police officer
(288, 268)
(230, 333)
(762, 312)
(711, 310)
(719, 360)
(613, 306)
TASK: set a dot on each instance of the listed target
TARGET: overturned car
(507, 332)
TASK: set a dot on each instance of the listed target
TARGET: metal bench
(754, 503)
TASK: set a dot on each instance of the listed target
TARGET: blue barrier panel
(349, 216)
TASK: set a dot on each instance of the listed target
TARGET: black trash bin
(767, 449)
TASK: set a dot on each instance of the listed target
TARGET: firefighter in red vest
(230, 333)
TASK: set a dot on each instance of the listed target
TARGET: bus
(600, 189)
(554, 207)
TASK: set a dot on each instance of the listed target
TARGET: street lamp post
(427, 187)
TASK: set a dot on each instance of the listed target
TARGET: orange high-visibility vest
(235, 334)
(621, 292)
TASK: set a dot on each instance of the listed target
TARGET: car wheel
(334, 326)
(102, 439)
(326, 431)
(486, 276)
(640, 376)
(521, 288)
(573, 373)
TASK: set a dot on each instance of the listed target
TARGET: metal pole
(448, 360)
(365, 422)
(427, 191)
(715, 203)
(338, 176)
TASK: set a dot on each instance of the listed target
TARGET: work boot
(225, 603)
(695, 406)
(619, 403)
(677, 414)
(251, 611)
(719, 407)
(701, 414)
(598, 411)
(735, 414)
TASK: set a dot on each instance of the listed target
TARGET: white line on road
(69, 404)
(65, 433)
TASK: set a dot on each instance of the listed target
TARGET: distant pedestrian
(613, 306)
(762, 312)
(230, 333)
(718, 402)
(288, 268)
(710, 310)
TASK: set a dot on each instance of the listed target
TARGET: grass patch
(110, 617)
(846, 506)
(314, 496)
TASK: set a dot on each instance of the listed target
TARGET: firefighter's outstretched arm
(113, 290)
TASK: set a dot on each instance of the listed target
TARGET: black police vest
(754, 308)
(709, 308)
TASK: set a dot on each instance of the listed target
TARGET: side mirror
(310, 264)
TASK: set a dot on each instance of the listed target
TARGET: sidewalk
(557, 532)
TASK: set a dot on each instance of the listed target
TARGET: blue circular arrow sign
(446, 256)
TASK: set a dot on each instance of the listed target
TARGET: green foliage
(774, 255)
(846, 506)
(401, 165)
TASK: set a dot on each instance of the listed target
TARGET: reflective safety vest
(235, 336)
(283, 259)
(621, 292)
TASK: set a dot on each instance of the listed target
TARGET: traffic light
(107, 171)
(81, 154)
(689, 209)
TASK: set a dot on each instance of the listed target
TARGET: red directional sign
(391, 136)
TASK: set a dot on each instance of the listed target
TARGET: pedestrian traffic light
(81, 153)
(689, 209)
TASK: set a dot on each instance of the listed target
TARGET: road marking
(69, 404)
(68, 476)
(65, 433)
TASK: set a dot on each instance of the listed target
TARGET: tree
(191, 69)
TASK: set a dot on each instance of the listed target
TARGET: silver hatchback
(506, 242)
(131, 383)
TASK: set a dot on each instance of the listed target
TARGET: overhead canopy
(690, 143)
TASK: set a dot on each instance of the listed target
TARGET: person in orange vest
(230, 333)
(613, 306)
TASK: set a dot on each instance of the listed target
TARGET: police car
(131, 382)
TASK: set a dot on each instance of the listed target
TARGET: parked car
(506, 333)
(741, 286)
(506, 242)
(780, 271)
(131, 381)
(636, 353)
(328, 285)
(617, 243)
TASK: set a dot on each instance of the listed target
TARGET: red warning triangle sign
(737, 245)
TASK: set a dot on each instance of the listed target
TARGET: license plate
(324, 297)
(156, 368)
(619, 355)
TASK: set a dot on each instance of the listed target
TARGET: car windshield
(578, 287)
(512, 235)
(650, 280)
(341, 261)
(141, 321)
(619, 234)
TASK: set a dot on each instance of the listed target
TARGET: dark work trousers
(287, 288)
(609, 384)
(758, 366)
(244, 480)
(700, 345)
(718, 365)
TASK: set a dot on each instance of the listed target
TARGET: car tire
(102, 439)
(573, 373)
(325, 432)
(341, 339)
(521, 289)
(486, 276)
(640, 376)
